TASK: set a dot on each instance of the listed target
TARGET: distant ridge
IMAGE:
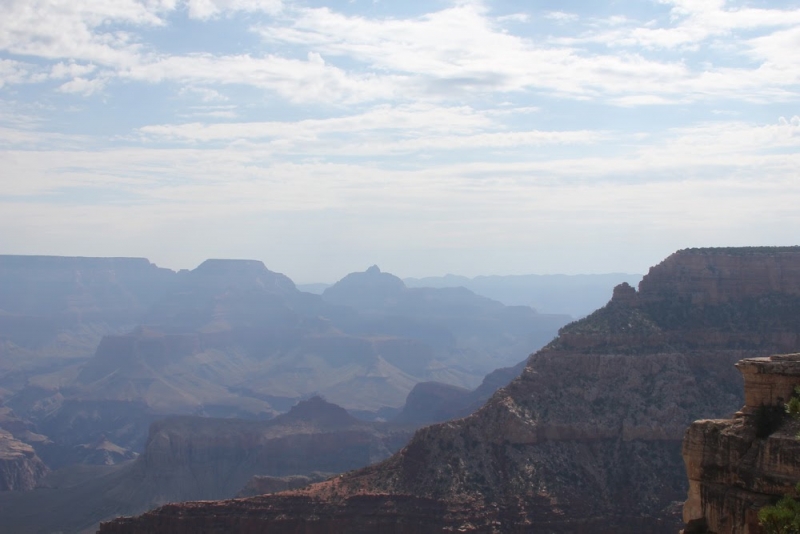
(576, 295)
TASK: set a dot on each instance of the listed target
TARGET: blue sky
(474, 137)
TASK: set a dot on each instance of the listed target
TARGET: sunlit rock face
(737, 466)
(20, 467)
(588, 437)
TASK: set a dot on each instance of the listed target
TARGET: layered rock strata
(587, 439)
(737, 466)
(20, 468)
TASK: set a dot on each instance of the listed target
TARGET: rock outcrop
(204, 458)
(20, 468)
(587, 439)
(737, 466)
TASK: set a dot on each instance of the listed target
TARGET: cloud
(14, 72)
(411, 119)
(457, 52)
(83, 86)
(293, 79)
(460, 50)
(206, 9)
(561, 16)
(381, 131)
(81, 30)
(692, 23)
(205, 94)
(515, 17)
(70, 70)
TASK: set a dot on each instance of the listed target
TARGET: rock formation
(203, 458)
(587, 439)
(20, 468)
(737, 466)
(206, 458)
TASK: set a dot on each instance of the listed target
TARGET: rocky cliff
(737, 466)
(205, 458)
(588, 438)
(20, 468)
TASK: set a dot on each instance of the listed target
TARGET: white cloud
(515, 17)
(13, 72)
(695, 22)
(382, 131)
(295, 80)
(83, 86)
(456, 52)
(79, 29)
(205, 94)
(70, 70)
(460, 50)
(205, 9)
(414, 119)
(561, 16)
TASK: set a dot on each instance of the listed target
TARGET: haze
(494, 137)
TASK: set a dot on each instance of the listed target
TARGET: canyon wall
(588, 438)
(20, 467)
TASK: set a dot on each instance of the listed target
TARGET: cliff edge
(737, 466)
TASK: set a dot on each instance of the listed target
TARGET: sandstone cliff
(587, 439)
(737, 466)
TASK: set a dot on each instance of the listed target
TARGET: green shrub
(783, 517)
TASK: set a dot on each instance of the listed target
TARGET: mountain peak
(374, 270)
(317, 409)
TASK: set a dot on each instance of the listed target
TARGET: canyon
(125, 386)
(587, 439)
(95, 350)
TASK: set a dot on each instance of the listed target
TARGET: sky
(462, 136)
